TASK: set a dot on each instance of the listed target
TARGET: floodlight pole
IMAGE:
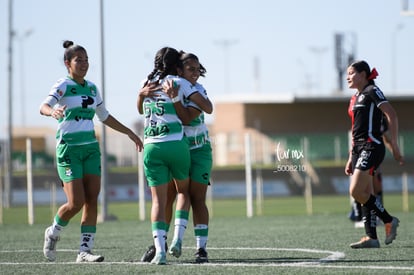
(394, 56)
(9, 142)
(21, 38)
(225, 45)
(405, 8)
(104, 168)
(318, 52)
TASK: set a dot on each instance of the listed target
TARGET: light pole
(104, 165)
(406, 10)
(8, 168)
(225, 45)
(21, 39)
(394, 56)
(318, 51)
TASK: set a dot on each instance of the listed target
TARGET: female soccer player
(73, 102)
(369, 107)
(166, 151)
(191, 107)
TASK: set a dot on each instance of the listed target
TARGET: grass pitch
(283, 240)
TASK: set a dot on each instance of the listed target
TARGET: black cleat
(149, 254)
(201, 256)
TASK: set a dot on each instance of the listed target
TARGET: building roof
(287, 98)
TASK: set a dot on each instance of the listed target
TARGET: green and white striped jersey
(196, 131)
(82, 102)
(161, 121)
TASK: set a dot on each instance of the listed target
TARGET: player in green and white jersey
(74, 101)
(191, 107)
(166, 152)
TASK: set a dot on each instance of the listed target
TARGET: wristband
(175, 99)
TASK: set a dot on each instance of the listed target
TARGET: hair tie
(373, 74)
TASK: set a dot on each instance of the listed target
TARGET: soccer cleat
(88, 257)
(391, 230)
(366, 242)
(160, 258)
(149, 254)
(49, 247)
(201, 256)
(175, 248)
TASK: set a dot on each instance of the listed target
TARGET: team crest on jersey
(60, 92)
(360, 98)
(68, 172)
(93, 92)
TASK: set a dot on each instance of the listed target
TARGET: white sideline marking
(320, 263)
(334, 255)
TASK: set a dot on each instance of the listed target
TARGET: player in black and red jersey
(355, 214)
(369, 108)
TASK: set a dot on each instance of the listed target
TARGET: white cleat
(87, 256)
(49, 247)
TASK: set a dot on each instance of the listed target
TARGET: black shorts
(367, 156)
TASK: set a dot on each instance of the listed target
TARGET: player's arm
(146, 91)
(112, 122)
(392, 120)
(203, 102)
(57, 113)
(386, 137)
(185, 114)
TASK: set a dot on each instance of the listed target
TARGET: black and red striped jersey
(367, 119)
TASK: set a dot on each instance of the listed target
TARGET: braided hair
(165, 63)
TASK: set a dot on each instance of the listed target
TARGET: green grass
(284, 240)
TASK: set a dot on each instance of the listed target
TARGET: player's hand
(170, 88)
(348, 168)
(149, 90)
(398, 157)
(138, 142)
(59, 112)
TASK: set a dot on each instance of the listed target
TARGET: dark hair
(184, 57)
(71, 48)
(165, 63)
(362, 66)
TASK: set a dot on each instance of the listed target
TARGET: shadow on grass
(261, 260)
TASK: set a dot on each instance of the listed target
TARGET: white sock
(159, 240)
(55, 229)
(180, 225)
(201, 234)
(86, 242)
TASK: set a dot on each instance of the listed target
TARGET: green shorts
(201, 164)
(75, 161)
(166, 160)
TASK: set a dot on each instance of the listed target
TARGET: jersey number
(158, 109)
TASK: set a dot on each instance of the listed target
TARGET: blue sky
(278, 38)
